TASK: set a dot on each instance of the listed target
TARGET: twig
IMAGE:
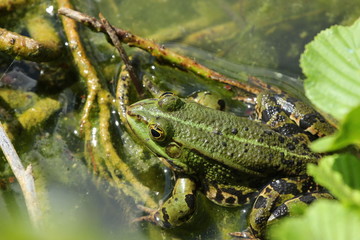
(24, 177)
(85, 68)
(115, 40)
(128, 183)
(27, 48)
(122, 94)
(114, 163)
(160, 52)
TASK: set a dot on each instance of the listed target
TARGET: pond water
(234, 37)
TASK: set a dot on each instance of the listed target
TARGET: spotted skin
(285, 208)
(227, 157)
(277, 198)
(229, 196)
(179, 207)
(291, 117)
(294, 119)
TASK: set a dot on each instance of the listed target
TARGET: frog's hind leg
(291, 117)
(177, 209)
(229, 196)
(278, 196)
(285, 209)
(276, 116)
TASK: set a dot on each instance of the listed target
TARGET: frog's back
(239, 143)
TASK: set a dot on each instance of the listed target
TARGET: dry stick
(122, 94)
(24, 177)
(27, 48)
(88, 72)
(126, 75)
(115, 40)
(110, 151)
(137, 190)
(157, 51)
(85, 68)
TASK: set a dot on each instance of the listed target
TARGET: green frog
(230, 158)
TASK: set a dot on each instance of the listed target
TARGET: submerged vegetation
(59, 104)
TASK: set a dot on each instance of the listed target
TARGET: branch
(83, 64)
(24, 177)
(27, 48)
(117, 44)
(160, 52)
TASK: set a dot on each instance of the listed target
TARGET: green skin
(229, 158)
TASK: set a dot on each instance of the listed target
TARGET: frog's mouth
(138, 117)
(137, 123)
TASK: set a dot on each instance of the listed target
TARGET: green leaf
(349, 133)
(340, 175)
(325, 219)
(332, 65)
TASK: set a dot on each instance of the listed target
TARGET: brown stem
(113, 162)
(161, 53)
(115, 40)
(110, 160)
(85, 68)
(27, 48)
(23, 176)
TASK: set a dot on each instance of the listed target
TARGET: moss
(40, 112)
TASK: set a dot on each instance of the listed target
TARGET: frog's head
(150, 122)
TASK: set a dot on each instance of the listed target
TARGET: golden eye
(157, 133)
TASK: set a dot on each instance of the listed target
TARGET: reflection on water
(252, 32)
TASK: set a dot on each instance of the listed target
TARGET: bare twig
(160, 52)
(115, 40)
(122, 94)
(114, 165)
(27, 48)
(24, 177)
(85, 68)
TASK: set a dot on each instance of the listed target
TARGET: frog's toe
(145, 209)
(286, 207)
(147, 218)
(151, 217)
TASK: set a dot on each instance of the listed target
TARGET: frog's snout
(141, 109)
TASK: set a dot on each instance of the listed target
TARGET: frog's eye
(169, 102)
(157, 133)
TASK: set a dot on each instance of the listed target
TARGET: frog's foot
(177, 209)
(244, 235)
(151, 217)
(286, 208)
(279, 198)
